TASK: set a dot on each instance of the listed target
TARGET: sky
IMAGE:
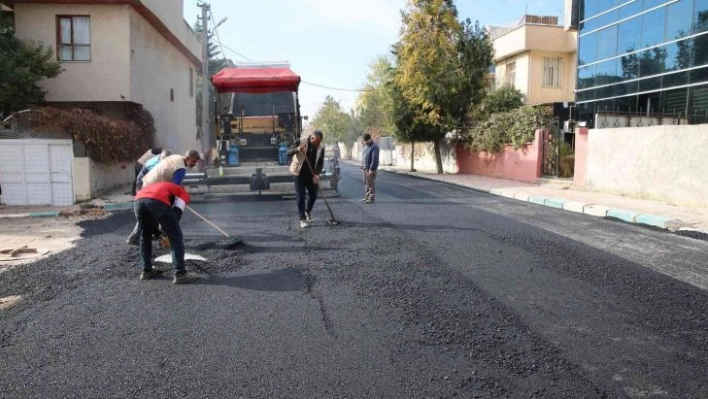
(333, 42)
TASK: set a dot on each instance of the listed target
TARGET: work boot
(363, 200)
(303, 223)
(133, 241)
(182, 277)
(369, 201)
(308, 216)
(149, 274)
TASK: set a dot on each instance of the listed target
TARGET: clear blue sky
(332, 42)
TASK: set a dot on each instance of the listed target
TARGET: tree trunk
(412, 155)
(438, 156)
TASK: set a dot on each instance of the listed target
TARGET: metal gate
(551, 150)
(37, 172)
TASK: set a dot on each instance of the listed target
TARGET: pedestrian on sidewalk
(140, 163)
(370, 165)
(307, 163)
(170, 169)
(160, 206)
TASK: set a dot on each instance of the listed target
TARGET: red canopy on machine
(255, 80)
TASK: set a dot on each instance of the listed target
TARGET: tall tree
(440, 68)
(403, 116)
(373, 105)
(332, 121)
(22, 65)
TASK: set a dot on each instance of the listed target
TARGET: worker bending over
(162, 204)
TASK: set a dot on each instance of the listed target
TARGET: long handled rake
(232, 241)
(332, 221)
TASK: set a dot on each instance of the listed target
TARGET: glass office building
(642, 57)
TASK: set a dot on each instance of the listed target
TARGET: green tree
(441, 64)
(22, 65)
(503, 99)
(476, 55)
(334, 123)
(356, 127)
(403, 114)
(374, 104)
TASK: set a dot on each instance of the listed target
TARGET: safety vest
(299, 158)
(164, 170)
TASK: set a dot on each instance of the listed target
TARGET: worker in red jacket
(161, 205)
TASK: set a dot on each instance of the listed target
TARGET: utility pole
(206, 127)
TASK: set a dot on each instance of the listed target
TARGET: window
(607, 43)
(191, 82)
(587, 51)
(653, 27)
(552, 72)
(678, 20)
(73, 38)
(510, 74)
(628, 40)
(700, 16)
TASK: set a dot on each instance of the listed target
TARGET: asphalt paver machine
(258, 112)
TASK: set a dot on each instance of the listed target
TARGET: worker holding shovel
(171, 168)
(161, 205)
(310, 151)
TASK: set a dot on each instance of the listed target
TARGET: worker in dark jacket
(162, 204)
(307, 164)
(141, 162)
(370, 165)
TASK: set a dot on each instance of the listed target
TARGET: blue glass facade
(643, 56)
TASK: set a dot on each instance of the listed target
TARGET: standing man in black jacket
(370, 165)
(307, 176)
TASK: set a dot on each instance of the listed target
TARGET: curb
(15, 216)
(597, 210)
(45, 214)
(118, 206)
(31, 215)
(692, 233)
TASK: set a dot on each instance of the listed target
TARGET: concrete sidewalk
(559, 194)
(115, 200)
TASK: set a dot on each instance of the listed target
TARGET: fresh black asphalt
(433, 291)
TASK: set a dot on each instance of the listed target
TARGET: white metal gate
(37, 172)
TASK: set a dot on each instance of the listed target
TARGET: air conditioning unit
(569, 126)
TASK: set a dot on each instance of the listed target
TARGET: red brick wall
(522, 165)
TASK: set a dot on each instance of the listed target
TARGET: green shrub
(517, 128)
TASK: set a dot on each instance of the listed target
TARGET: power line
(235, 52)
(223, 46)
(218, 39)
(335, 88)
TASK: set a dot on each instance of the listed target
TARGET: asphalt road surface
(433, 291)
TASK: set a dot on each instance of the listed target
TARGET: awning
(255, 80)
